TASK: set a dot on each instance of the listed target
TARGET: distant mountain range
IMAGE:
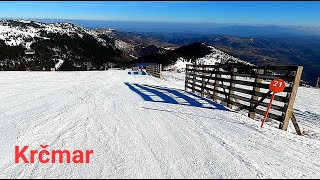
(78, 48)
(288, 50)
(72, 47)
(239, 30)
(196, 53)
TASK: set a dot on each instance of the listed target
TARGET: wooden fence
(155, 70)
(247, 87)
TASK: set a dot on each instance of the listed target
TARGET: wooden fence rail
(247, 87)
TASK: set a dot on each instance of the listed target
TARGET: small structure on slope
(88, 65)
(29, 52)
(318, 82)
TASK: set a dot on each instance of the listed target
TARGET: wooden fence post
(160, 71)
(216, 84)
(295, 124)
(289, 112)
(193, 79)
(232, 85)
(186, 78)
(252, 113)
(202, 82)
(155, 70)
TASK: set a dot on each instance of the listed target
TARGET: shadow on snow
(173, 96)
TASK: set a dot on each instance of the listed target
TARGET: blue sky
(278, 13)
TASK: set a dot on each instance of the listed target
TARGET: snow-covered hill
(16, 32)
(216, 56)
(141, 127)
(74, 43)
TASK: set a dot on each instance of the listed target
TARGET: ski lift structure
(29, 52)
(56, 57)
(57, 60)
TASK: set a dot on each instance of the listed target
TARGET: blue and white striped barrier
(137, 72)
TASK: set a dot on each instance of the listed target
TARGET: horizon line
(175, 22)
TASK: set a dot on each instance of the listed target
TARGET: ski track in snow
(134, 138)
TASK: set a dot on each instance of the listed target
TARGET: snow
(15, 35)
(109, 31)
(58, 64)
(135, 57)
(28, 45)
(126, 47)
(180, 65)
(24, 21)
(217, 56)
(141, 127)
(307, 110)
(168, 48)
(123, 45)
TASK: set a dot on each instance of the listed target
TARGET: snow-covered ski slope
(139, 127)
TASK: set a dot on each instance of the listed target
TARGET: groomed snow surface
(143, 127)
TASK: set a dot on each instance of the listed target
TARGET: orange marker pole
(267, 112)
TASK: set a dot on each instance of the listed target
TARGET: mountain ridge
(287, 50)
(99, 48)
(76, 48)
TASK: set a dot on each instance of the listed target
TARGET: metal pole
(267, 112)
